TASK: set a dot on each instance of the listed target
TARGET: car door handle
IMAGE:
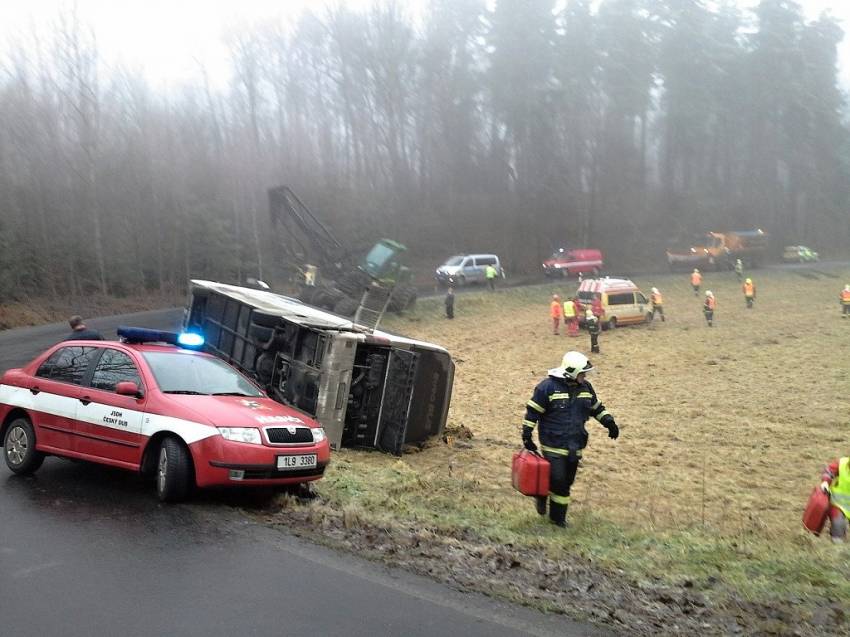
(34, 390)
(85, 400)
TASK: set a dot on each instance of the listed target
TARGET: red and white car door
(109, 425)
(51, 396)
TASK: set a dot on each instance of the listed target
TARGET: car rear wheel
(174, 471)
(19, 447)
(612, 323)
(649, 317)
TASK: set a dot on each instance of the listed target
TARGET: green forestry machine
(332, 277)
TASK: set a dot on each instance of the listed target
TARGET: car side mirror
(128, 388)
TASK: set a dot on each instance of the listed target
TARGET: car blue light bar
(145, 335)
(190, 339)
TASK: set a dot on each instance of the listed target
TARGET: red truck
(564, 262)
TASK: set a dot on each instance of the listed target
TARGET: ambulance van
(622, 300)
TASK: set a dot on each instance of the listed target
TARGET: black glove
(527, 442)
(613, 429)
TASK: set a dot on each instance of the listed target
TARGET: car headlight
(318, 434)
(241, 434)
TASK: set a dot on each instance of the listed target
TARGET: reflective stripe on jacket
(569, 310)
(749, 289)
(839, 490)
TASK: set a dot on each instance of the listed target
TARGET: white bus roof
(299, 312)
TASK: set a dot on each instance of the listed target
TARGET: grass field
(724, 432)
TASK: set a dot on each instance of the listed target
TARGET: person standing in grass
(491, 273)
(836, 484)
(657, 303)
(739, 269)
(845, 301)
(570, 317)
(592, 323)
(555, 314)
(749, 289)
(450, 303)
(696, 281)
(708, 307)
(559, 408)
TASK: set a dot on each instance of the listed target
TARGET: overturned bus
(367, 388)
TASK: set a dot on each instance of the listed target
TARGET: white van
(467, 268)
(622, 301)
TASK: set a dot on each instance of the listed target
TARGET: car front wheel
(19, 447)
(173, 472)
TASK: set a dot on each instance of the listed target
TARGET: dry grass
(724, 432)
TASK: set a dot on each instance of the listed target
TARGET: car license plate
(288, 463)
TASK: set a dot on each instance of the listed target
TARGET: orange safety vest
(696, 278)
(710, 303)
(555, 309)
(845, 297)
(749, 289)
(656, 299)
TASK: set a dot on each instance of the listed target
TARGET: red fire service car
(566, 263)
(150, 404)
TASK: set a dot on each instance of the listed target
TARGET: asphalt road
(88, 550)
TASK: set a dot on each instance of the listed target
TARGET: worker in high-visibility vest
(490, 273)
(555, 313)
(570, 317)
(749, 289)
(708, 307)
(593, 329)
(845, 301)
(657, 303)
(836, 483)
(696, 281)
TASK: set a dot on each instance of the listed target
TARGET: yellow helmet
(749, 281)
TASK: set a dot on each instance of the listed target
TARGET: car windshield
(188, 373)
(454, 261)
(559, 254)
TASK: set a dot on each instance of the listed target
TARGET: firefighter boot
(558, 514)
(540, 504)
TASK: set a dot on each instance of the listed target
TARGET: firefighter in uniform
(845, 301)
(657, 303)
(836, 483)
(593, 329)
(558, 409)
(708, 307)
(749, 289)
(739, 269)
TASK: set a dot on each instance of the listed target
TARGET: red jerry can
(814, 517)
(530, 473)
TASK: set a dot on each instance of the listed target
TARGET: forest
(510, 126)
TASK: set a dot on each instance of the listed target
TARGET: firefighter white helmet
(573, 364)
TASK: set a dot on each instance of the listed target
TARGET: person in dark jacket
(450, 303)
(79, 331)
(593, 328)
(559, 409)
